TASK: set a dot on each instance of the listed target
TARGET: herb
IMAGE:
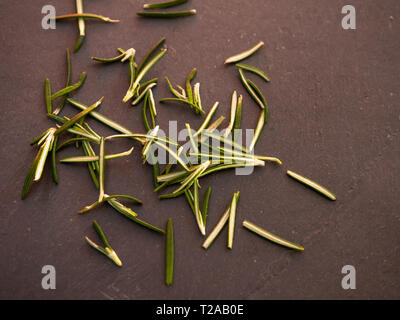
(249, 89)
(70, 88)
(169, 253)
(270, 236)
(254, 70)
(207, 119)
(233, 113)
(244, 54)
(85, 15)
(150, 52)
(68, 82)
(163, 5)
(166, 15)
(217, 229)
(47, 95)
(312, 184)
(205, 204)
(107, 250)
(197, 212)
(232, 215)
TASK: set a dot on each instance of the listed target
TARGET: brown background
(334, 117)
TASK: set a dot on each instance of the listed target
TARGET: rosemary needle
(197, 212)
(68, 82)
(163, 5)
(101, 169)
(47, 95)
(312, 184)
(70, 88)
(81, 26)
(150, 52)
(217, 229)
(188, 85)
(232, 215)
(254, 70)
(249, 89)
(85, 15)
(169, 253)
(207, 119)
(234, 103)
(205, 204)
(244, 54)
(166, 15)
(270, 236)
(107, 250)
(53, 160)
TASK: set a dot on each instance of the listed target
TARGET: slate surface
(334, 117)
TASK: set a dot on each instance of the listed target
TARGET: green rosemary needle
(85, 15)
(76, 118)
(68, 83)
(47, 95)
(166, 15)
(197, 212)
(270, 236)
(150, 52)
(101, 169)
(232, 215)
(132, 90)
(181, 96)
(254, 70)
(112, 197)
(188, 85)
(238, 119)
(249, 89)
(217, 229)
(70, 88)
(205, 204)
(53, 160)
(81, 25)
(79, 159)
(184, 101)
(109, 60)
(169, 253)
(107, 250)
(163, 5)
(312, 184)
(244, 54)
(142, 95)
(207, 119)
(233, 113)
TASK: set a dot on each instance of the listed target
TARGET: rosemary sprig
(244, 54)
(68, 82)
(163, 5)
(254, 70)
(166, 15)
(232, 215)
(107, 250)
(169, 253)
(312, 184)
(270, 236)
(85, 15)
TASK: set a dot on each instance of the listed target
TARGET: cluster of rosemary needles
(208, 151)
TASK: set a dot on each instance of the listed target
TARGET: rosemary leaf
(70, 88)
(233, 113)
(249, 89)
(207, 119)
(68, 82)
(47, 95)
(270, 236)
(109, 60)
(232, 215)
(166, 15)
(101, 169)
(217, 229)
(244, 54)
(76, 118)
(150, 52)
(312, 184)
(96, 158)
(169, 253)
(254, 70)
(141, 96)
(163, 5)
(85, 15)
(197, 212)
(53, 160)
(188, 85)
(205, 205)
(81, 25)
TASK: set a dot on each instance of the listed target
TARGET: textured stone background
(334, 117)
